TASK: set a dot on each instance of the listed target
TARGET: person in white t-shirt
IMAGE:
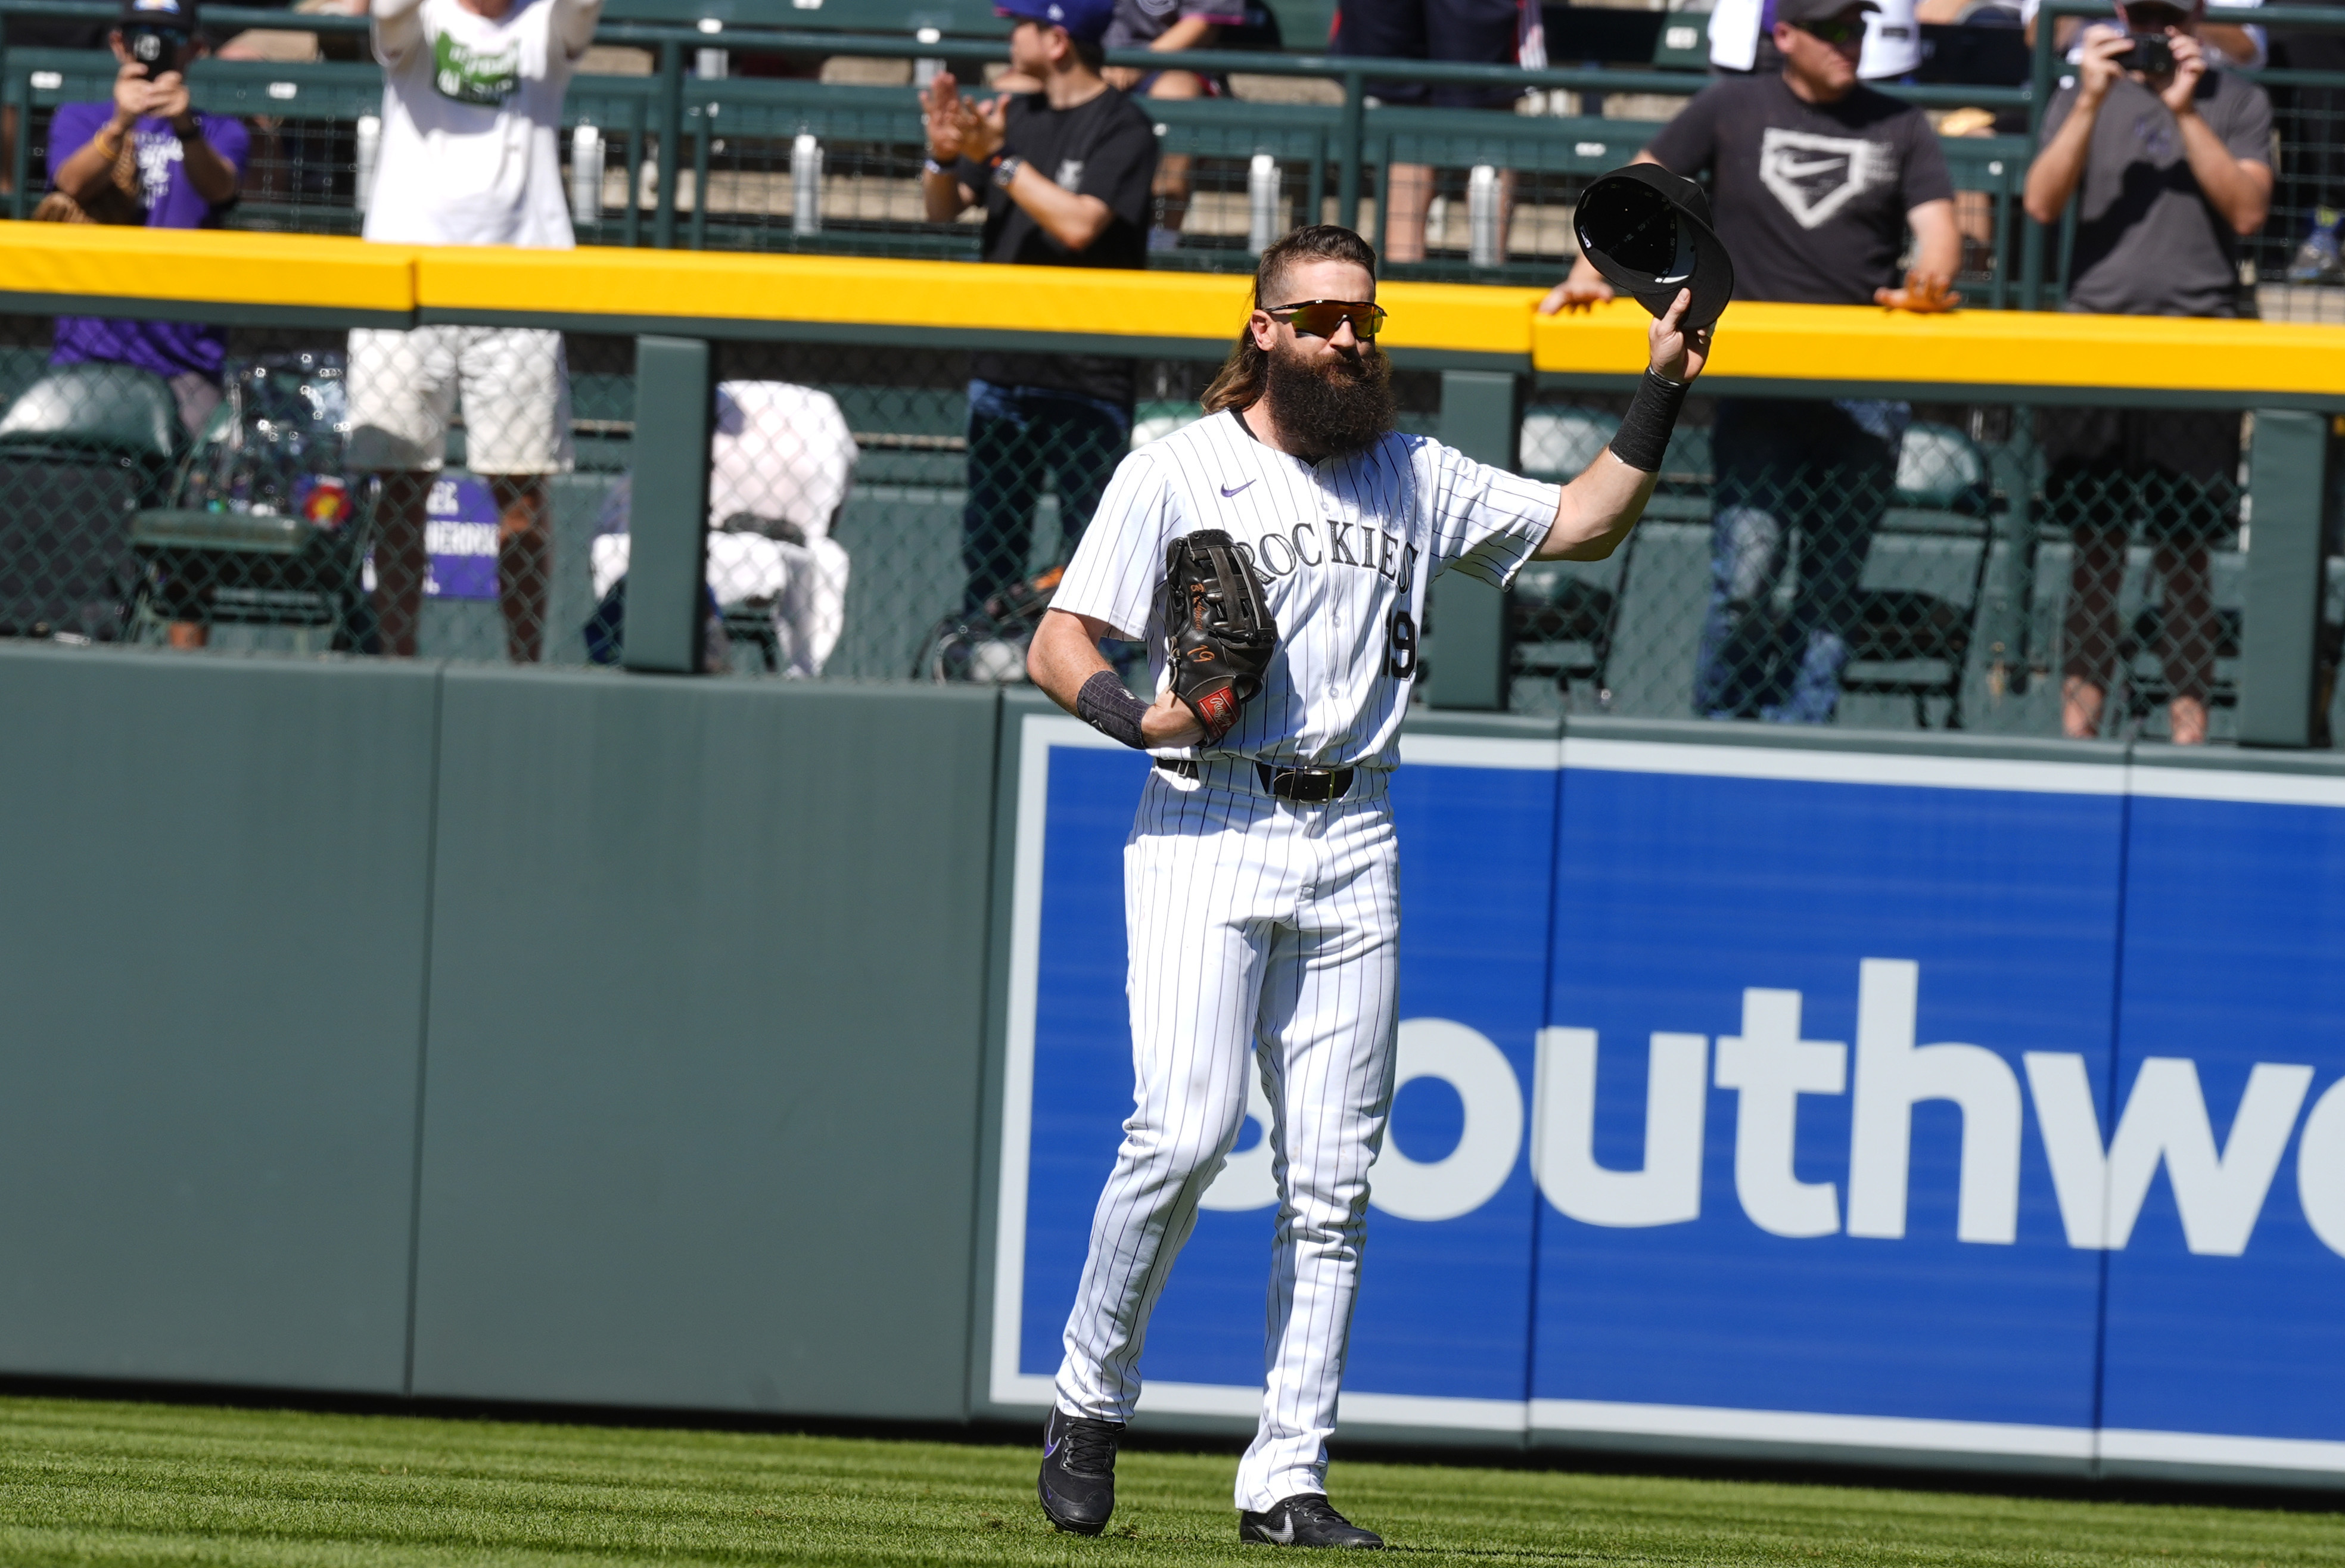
(472, 110)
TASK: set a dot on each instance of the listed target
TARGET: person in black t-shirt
(1064, 175)
(1814, 180)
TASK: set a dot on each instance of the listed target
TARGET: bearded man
(1261, 878)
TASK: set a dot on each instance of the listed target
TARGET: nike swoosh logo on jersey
(1794, 170)
(1229, 490)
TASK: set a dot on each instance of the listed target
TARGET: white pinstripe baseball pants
(1261, 931)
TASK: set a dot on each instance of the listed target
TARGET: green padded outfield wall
(703, 967)
(707, 1002)
(211, 991)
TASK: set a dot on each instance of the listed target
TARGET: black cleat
(1077, 1485)
(1306, 1519)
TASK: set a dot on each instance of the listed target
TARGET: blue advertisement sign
(2227, 1290)
(1885, 1102)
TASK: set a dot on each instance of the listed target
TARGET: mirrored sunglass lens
(1322, 321)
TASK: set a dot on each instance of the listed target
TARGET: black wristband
(1108, 706)
(1644, 433)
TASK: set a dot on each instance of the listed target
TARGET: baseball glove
(1218, 633)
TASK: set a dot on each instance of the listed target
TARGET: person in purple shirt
(189, 167)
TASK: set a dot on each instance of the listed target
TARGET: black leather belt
(1312, 787)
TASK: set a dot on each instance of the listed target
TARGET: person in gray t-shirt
(2169, 171)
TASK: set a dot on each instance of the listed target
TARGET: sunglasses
(1834, 32)
(1320, 318)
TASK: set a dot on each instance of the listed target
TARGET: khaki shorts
(515, 386)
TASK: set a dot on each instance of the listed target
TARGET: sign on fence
(1908, 1102)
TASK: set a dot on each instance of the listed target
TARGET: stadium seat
(80, 451)
(1919, 600)
(261, 531)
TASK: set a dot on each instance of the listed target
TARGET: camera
(2152, 54)
(155, 49)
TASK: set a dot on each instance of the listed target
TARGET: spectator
(1165, 27)
(1815, 179)
(2170, 171)
(1464, 32)
(149, 157)
(472, 113)
(1064, 175)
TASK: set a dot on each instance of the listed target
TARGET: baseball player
(1282, 546)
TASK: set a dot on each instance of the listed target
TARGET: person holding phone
(2169, 163)
(149, 157)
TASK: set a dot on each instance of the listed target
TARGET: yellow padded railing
(1775, 343)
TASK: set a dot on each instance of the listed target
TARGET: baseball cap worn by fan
(177, 15)
(1647, 231)
(1085, 20)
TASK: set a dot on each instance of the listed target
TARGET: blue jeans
(1819, 473)
(1016, 436)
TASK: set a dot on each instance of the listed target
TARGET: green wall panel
(211, 956)
(707, 1016)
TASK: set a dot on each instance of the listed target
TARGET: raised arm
(2059, 167)
(398, 27)
(1597, 510)
(1074, 220)
(574, 25)
(2236, 187)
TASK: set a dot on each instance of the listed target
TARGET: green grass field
(85, 1482)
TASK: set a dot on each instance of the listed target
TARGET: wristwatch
(1007, 170)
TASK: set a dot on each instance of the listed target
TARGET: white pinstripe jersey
(1344, 549)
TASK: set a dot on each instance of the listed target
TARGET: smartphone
(153, 49)
(2152, 54)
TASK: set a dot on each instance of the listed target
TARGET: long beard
(1333, 407)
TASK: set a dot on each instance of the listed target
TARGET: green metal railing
(671, 119)
(672, 130)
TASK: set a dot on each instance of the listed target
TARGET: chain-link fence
(890, 512)
(1891, 565)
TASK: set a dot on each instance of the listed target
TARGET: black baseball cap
(1647, 231)
(1798, 11)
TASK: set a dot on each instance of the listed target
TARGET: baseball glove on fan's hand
(1218, 633)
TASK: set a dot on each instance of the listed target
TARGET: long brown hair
(1239, 383)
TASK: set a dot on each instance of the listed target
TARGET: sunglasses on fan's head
(1833, 30)
(1321, 317)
